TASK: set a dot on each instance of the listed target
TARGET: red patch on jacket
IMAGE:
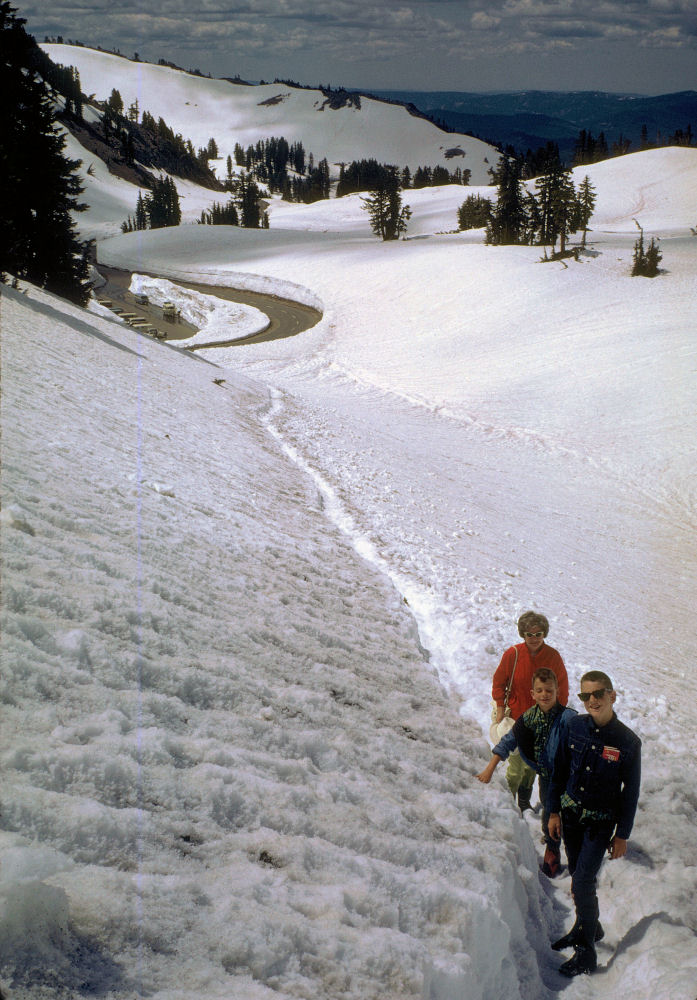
(610, 753)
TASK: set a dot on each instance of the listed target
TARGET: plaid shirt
(541, 723)
(596, 815)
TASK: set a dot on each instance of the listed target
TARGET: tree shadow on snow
(75, 324)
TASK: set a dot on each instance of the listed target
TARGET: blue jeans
(585, 843)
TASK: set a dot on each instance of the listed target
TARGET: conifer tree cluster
(367, 175)
(39, 186)
(284, 168)
(243, 209)
(645, 260)
(157, 209)
(474, 212)
(552, 213)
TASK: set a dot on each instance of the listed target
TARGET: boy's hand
(554, 826)
(486, 775)
(617, 848)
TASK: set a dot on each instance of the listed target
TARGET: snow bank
(229, 770)
(216, 320)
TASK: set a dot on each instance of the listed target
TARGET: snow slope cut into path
(227, 769)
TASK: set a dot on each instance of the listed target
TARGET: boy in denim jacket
(592, 801)
(536, 736)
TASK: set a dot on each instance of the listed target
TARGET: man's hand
(617, 848)
(499, 713)
(554, 826)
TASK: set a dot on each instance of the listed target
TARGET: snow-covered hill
(200, 109)
(249, 628)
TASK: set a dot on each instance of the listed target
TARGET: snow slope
(229, 771)
(249, 629)
(200, 109)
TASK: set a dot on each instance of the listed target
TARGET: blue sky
(633, 46)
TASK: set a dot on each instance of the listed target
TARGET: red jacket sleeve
(502, 676)
(562, 678)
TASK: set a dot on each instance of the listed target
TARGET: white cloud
(482, 21)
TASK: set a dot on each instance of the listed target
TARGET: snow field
(233, 765)
(216, 716)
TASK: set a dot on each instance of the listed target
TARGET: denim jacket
(600, 769)
(522, 736)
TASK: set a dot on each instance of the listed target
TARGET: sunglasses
(598, 694)
(534, 635)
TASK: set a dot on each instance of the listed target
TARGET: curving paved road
(286, 318)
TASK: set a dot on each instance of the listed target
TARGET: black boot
(583, 962)
(573, 938)
(524, 799)
(569, 940)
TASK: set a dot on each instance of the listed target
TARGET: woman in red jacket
(512, 689)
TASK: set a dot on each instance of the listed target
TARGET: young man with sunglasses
(511, 690)
(592, 802)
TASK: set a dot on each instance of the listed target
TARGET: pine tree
(162, 204)
(39, 187)
(248, 196)
(115, 102)
(645, 261)
(474, 212)
(586, 204)
(556, 199)
(141, 217)
(508, 218)
(388, 217)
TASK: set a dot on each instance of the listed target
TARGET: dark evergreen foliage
(474, 212)
(157, 209)
(551, 214)
(221, 215)
(557, 207)
(586, 204)
(39, 187)
(645, 260)
(362, 175)
(388, 217)
(508, 217)
(368, 175)
(313, 187)
(589, 149)
(248, 197)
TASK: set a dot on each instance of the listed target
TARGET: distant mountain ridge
(530, 118)
(337, 125)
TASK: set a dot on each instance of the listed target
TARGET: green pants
(519, 775)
